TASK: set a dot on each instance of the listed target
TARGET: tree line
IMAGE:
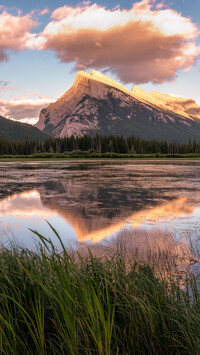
(98, 143)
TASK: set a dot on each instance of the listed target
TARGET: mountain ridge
(96, 103)
(168, 102)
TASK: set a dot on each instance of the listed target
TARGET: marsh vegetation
(54, 301)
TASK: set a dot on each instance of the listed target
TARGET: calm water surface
(90, 201)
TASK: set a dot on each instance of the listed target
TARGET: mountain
(96, 103)
(183, 107)
(19, 131)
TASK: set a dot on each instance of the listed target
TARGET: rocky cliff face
(96, 103)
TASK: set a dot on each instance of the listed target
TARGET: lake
(91, 201)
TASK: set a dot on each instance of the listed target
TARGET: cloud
(141, 44)
(24, 109)
(5, 85)
(44, 12)
(148, 43)
(15, 33)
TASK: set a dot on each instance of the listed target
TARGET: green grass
(94, 155)
(52, 303)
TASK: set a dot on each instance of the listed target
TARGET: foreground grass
(51, 304)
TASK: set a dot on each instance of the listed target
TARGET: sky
(43, 43)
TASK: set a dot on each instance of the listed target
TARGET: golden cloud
(141, 44)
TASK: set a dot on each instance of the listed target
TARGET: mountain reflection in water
(85, 214)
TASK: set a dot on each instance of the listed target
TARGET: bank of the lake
(76, 155)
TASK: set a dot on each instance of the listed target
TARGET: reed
(53, 303)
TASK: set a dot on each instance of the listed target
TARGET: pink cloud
(148, 42)
(15, 33)
(160, 6)
(44, 12)
(144, 5)
(24, 109)
(139, 45)
(5, 85)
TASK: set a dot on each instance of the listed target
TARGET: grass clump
(51, 303)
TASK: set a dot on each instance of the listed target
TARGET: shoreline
(115, 157)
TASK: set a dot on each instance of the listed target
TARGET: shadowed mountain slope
(19, 131)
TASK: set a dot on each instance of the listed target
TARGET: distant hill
(95, 103)
(19, 131)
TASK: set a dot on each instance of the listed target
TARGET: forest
(99, 144)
